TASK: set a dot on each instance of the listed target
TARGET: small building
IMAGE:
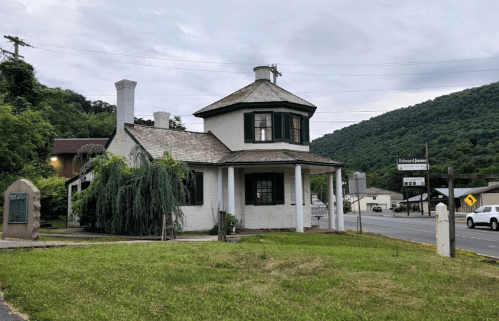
(416, 201)
(376, 196)
(252, 159)
(64, 151)
(487, 195)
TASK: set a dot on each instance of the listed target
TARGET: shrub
(347, 207)
(232, 223)
(415, 208)
(53, 197)
(399, 209)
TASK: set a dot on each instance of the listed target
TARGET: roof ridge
(275, 92)
(249, 92)
(288, 152)
(213, 103)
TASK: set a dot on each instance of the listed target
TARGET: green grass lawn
(286, 276)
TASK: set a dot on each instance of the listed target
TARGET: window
(264, 188)
(374, 198)
(276, 127)
(194, 189)
(487, 209)
(295, 128)
(263, 127)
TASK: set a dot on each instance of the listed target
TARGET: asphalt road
(481, 240)
(6, 313)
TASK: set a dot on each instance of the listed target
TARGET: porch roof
(279, 156)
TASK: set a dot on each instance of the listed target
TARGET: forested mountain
(462, 130)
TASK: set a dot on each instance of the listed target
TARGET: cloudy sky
(352, 59)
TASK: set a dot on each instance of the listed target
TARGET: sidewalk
(81, 234)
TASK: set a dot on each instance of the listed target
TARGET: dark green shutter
(249, 190)
(278, 127)
(248, 127)
(305, 131)
(286, 122)
(279, 188)
(198, 189)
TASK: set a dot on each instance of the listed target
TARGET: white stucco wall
(122, 144)
(202, 217)
(229, 128)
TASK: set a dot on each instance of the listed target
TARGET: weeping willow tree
(124, 200)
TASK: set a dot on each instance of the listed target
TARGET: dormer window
(263, 127)
(270, 127)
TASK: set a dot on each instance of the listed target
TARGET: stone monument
(442, 230)
(21, 211)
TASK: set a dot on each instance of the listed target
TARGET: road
(481, 240)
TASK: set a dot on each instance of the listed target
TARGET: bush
(53, 198)
(399, 209)
(415, 208)
(347, 207)
(232, 223)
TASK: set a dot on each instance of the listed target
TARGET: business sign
(413, 181)
(411, 164)
(470, 200)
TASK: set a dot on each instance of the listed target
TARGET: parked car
(377, 209)
(487, 215)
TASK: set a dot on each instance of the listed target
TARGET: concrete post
(298, 199)
(339, 200)
(442, 230)
(220, 194)
(330, 201)
(231, 192)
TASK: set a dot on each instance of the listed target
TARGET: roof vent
(262, 73)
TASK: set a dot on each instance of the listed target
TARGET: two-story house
(252, 160)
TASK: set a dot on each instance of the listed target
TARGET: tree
(127, 200)
(26, 139)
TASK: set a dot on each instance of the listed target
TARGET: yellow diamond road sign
(470, 200)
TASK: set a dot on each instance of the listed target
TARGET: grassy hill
(462, 130)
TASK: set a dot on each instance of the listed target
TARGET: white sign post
(357, 185)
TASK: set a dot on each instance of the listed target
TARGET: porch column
(339, 200)
(231, 193)
(220, 190)
(330, 201)
(298, 199)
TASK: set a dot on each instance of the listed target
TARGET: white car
(487, 215)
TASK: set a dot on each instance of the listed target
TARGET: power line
(294, 64)
(392, 89)
(148, 65)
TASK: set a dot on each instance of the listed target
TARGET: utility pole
(276, 73)
(427, 181)
(358, 200)
(16, 42)
(452, 223)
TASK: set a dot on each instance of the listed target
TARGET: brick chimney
(161, 119)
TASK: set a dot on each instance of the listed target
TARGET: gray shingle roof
(261, 91)
(458, 192)
(192, 147)
(183, 145)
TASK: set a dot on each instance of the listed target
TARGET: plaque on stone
(18, 208)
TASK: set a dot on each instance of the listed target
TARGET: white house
(252, 159)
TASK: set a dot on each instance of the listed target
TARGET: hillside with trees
(462, 130)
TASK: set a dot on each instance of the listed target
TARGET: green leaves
(127, 200)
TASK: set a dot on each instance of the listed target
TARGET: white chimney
(262, 73)
(161, 119)
(125, 102)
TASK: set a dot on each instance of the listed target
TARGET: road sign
(357, 184)
(413, 181)
(470, 200)
(411, 164)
